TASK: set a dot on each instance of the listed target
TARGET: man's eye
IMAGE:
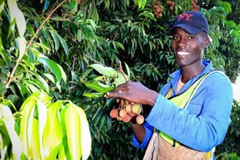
(174, 37)
(191, 37)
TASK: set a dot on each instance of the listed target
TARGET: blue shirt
(203, 125)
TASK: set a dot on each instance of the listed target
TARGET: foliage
(27, 113)
(108, 79)
(44, 130)
(63, 38)
(233, 135)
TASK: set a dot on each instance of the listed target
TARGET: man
(191, 114)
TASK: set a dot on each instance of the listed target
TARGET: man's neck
(190, 72)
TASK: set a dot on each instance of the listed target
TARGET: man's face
(188, 49)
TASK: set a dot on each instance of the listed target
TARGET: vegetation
(48, 46)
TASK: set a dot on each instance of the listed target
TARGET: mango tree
(34, 125)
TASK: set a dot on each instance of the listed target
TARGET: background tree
(79, 33)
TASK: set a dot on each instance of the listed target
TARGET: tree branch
(11, 77)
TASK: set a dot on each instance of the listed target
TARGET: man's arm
(142, 134)
(201, 131)
(138, 131)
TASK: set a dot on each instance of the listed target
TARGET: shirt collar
(207, 69)
(176, 75)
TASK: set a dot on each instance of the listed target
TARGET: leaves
(17, 15)
(102, 32)
(140, 3)
(108, 71)
(9, 122)
(99, 87)
(108, 79)
(86, 141)
(93, 95)
(27, 122)
(52, 135)
(2, 2)
(73, 131)
(54, 67)
(2, 88)
(64, 44)
(42, 133)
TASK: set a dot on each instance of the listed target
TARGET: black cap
(192, 22)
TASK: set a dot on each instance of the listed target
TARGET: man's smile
(182, 53)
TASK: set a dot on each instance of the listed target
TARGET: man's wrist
(154, 96)
(133, 120)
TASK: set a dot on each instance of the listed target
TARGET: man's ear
(206, 42)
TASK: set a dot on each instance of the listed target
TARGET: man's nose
(182, 42)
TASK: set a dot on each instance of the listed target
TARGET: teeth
(183, 53)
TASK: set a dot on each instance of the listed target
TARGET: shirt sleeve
(148, 135)
(200, 132)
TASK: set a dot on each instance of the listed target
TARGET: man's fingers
(114, 94)
(118, 92)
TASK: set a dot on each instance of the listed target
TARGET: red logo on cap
(184, 16)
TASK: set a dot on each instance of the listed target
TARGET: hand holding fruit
(134, 92)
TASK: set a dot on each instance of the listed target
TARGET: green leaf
(39, 83)
(86, 141)
(64, 76)
(54, 67)
(63, 43)
(92, 23)
(52, 135)
(4, 55)
(35, 51)
(45, 85)
(41, 45)
(49, 77)
(33, 88)
(55, 39)
(34, 146)
(119, 80)
(2, 2)
(30, 28)
(26, 122)
(103, 120)
(57, 18)
(74, 76)
(95, 15)
(23, 89)
(13, 98)
(15, 13)
(99, 87)
(73, 131)
(118, 44)
(80, 35)
(22, 47)
(107, 4)
(128, 69)
(9, 122)
(108, 71)
(93, 95)
(42, 118)
(62, 154)
(2, 88)
(140, 3)
(147, 14)
(73, 6)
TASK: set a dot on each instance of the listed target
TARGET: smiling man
(191, 114)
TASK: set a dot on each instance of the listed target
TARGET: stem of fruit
(121, 71)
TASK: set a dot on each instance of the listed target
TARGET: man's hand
(134, 92)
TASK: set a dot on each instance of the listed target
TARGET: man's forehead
(179, 30)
